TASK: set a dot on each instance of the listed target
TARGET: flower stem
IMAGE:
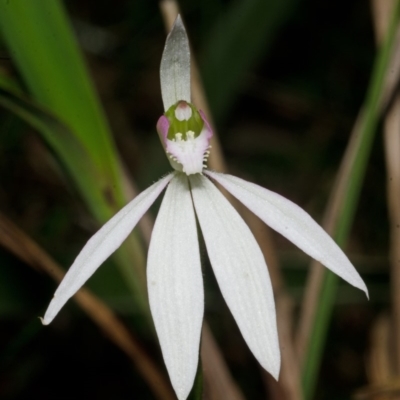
(197, 391)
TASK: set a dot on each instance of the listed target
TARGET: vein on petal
(102, 244)
(294, 223)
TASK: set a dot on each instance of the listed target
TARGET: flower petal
(292, 222)
(175, 285)
(190, 153)
(175, 66)
(101, 245)
(241, 272)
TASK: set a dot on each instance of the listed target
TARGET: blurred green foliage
(285, 81)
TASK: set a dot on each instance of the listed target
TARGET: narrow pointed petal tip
(240, 270)
(51, 312)
(175, 285)
(175, 66)
(276, 369)
(294, 223)
(101, 245)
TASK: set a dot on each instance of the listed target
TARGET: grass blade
(42, 45)
(341, 211)
(23, 247)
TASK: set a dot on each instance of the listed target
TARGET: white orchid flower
(174, 276)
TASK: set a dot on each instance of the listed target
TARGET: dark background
(283, 122)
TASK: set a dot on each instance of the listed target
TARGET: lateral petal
(101, 245)
(294, 223)
(175, 285)
(175, 66)
(241, 272)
